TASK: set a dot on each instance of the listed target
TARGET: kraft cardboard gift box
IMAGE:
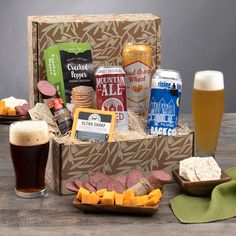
(67, 162)
(107, 35)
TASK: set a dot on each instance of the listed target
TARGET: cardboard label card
(93, 125)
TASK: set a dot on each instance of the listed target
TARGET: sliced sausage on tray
(133, 178)
(78, 183)
(159, 177)
(88, 186)
(122, 179)
(96, 177)
(116, 186)
(71, 186)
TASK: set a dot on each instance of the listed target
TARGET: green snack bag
(69, 65)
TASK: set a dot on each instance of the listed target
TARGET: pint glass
(208, 108)
(29, 145)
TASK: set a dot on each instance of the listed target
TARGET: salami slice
(78, 183)
(116, 186)
(46, 88)
(88, 186)
(21, 111)
(133, 178)
(25, 107)
(71, 186)
(159, 177)
(102, 185)
(122, 179)
(96, 177)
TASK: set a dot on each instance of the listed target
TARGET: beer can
(111, 93)
(137, 61)
(164, 102)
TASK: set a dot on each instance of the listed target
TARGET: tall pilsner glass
(29, 144)
(208, 108)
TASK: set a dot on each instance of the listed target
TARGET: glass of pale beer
(29, 145)
(208, 108)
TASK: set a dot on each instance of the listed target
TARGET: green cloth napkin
(221, 205)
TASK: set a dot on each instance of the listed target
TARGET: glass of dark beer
(29, 145)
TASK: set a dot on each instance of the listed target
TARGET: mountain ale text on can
(111, 93)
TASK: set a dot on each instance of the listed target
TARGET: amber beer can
(111, 93)
(137, 62)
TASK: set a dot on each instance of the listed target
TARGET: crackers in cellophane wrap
(41, 112)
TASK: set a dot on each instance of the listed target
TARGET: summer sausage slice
(46, 88)
(116, 186)
(21, 111)
(71, 186)
(88, 186)
(25, 107)
(78, 183)
(159, 177)
(122, 179)
(133, 178)
(96, 177)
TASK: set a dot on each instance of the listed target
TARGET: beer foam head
(28, 133)
(209, 80)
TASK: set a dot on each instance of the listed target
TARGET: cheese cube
(155, 192)
(139, 200)
(3, 111)
(128, 194)
(2, 103)
(118, 199)
(81, 192)
(94, 198)
(108, 198)
(101, 192)
(86, 198)
(12, 112)
(152, 201)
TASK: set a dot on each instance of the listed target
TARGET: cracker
(187, 169)
(206, 168)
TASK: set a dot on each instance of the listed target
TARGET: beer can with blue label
(164, 102)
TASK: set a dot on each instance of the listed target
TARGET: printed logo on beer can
(111, 93)
(164, 103)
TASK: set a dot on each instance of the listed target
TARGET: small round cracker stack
(82, 97)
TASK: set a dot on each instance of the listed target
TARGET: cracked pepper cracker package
(69, 65)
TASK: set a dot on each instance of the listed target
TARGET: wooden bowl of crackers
(198, 176)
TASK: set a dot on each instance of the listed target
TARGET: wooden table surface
(55, 215)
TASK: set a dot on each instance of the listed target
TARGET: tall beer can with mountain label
(137, 61)
(111, 93)
(164, 102)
